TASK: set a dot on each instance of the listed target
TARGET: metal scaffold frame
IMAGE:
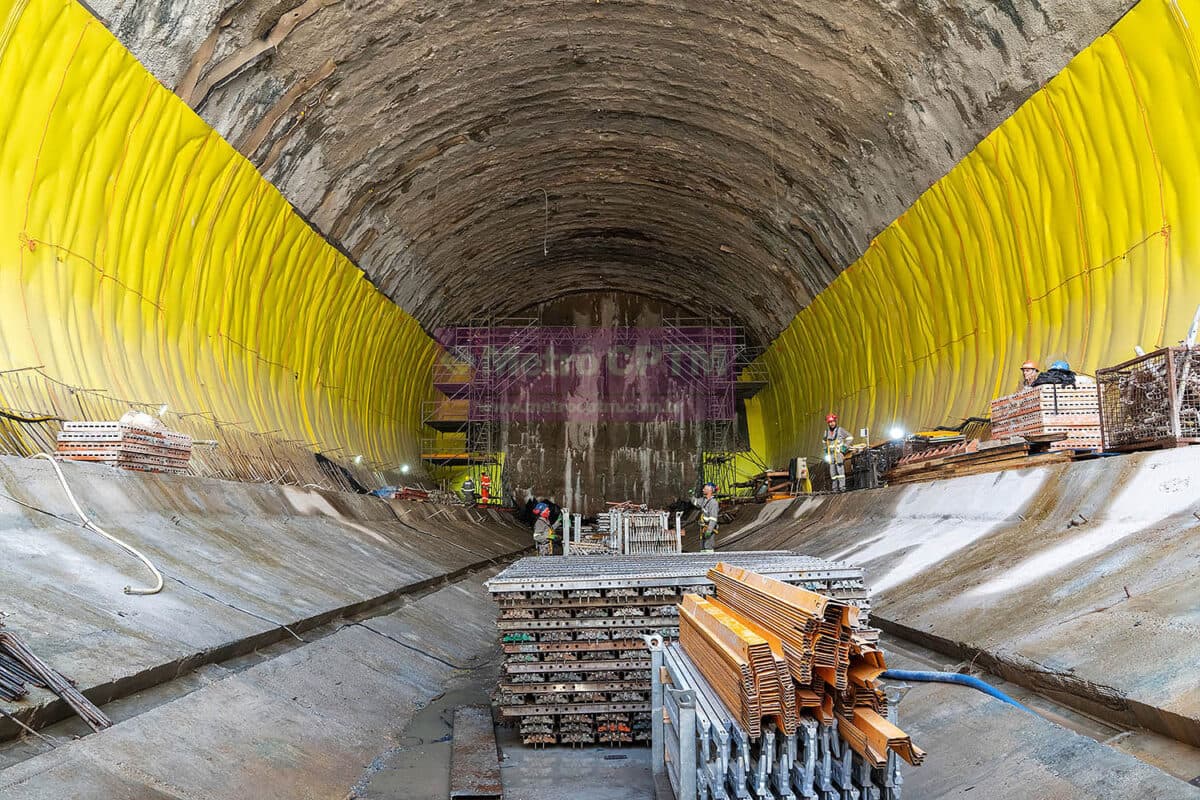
(482, 361)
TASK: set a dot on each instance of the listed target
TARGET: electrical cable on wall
(87, 523)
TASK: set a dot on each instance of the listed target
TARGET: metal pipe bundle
(24, 668)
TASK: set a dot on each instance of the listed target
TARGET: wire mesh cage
(1152, 400)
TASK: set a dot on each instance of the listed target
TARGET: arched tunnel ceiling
(478, 157)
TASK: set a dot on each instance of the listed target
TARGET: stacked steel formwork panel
(707, 754)
(771, 692)
(576, 667)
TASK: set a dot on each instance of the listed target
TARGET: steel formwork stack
(707, 754)
(624, 531)
(577, 669)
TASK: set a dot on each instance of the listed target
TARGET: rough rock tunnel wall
(1067, 233)
(144, 256)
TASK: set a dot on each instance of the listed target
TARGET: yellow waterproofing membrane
(1068, 233)
(141, 254)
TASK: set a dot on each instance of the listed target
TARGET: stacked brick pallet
(125, 445)
(1041, 411)
(576, 669)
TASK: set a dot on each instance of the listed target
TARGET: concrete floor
(362, 708)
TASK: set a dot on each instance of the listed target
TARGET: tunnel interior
(298, 231)
(866, 194)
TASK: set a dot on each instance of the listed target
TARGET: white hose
(87, 523)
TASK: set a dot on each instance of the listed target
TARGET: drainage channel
(132, 705)
(1171, 756)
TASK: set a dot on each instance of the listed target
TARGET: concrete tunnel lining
(781, 139)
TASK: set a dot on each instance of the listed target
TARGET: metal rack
(1152, 400)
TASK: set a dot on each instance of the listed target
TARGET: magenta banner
(602, 374)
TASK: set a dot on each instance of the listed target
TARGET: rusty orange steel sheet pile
(775, 651)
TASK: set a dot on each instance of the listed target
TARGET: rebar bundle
(20, 667)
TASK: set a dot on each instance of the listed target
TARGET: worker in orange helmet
(485, 487)
(1029, 373)
(837, 443)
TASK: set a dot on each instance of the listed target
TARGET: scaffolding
(707, 367)
(731, 374)
(477, 363)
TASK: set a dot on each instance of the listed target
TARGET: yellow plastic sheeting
(1068, 233)
(140, 253)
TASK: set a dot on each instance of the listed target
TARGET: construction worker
(710, 511)
(485, 487)
(543, 531)
(1029, 373)
(468, 490)
(837, 443)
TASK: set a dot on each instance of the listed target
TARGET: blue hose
(954, 677)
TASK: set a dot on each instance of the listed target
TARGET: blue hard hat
(540, 507)
(713, 485)
(1061, 365)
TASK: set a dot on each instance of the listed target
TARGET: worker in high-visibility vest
(485, 487)
(543, 530)
(710, 511)
(837, 444)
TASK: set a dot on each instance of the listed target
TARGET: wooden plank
(943, 473)
(474, 758)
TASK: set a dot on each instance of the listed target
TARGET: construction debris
(132, 443)
(791, 675)
(21, 668)
(576, 668)
(1072, 414)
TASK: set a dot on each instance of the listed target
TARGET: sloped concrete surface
(303, 725)
(1079, 580)
(980, 747)
(241, 560)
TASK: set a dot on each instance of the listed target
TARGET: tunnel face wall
(728, 155)
(142, 255)
(1068, 233)
(583, 461)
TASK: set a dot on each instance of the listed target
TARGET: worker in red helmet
(1029, 373)
(837, 443)
(543, 530)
